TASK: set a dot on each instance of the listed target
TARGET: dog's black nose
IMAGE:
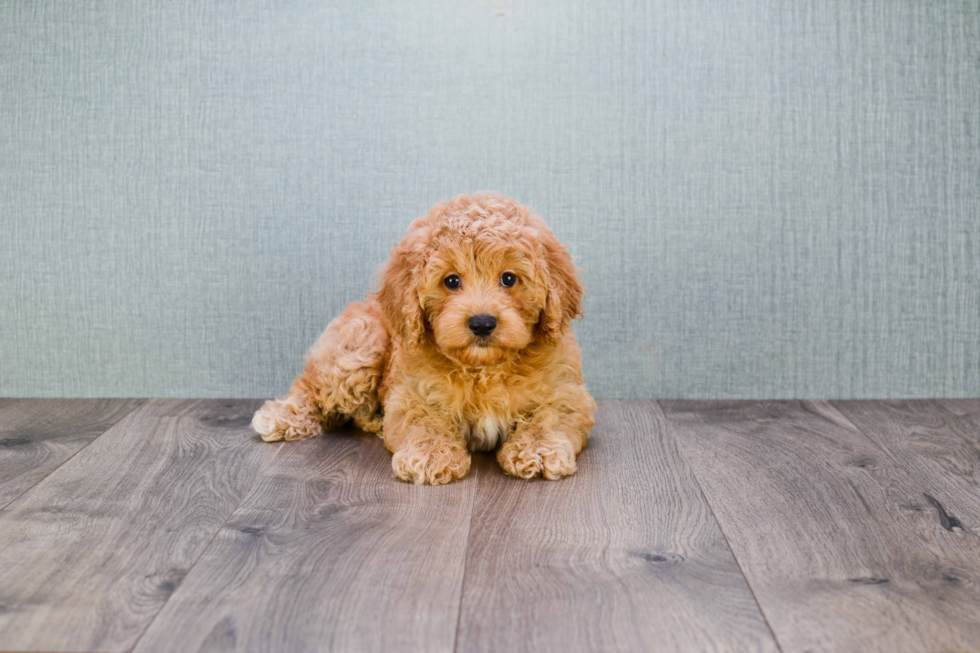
(482, 325)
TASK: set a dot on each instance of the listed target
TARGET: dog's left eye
(508, 279)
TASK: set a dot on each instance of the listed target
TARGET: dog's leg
(293, 417)
(427, 449)
(547, 443)
(340, 382)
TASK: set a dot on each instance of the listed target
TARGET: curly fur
(404, 364)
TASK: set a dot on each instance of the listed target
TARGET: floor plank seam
(864, 436)
(65, 461)
(466, 558)
(231, 514)
(721, 529)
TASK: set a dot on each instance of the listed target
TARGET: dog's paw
(550, 456)
(278, 420)
(431, 462)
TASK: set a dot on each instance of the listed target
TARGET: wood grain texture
(835, 538)
(938, 442)
(623, 556)
(329, 552)
(38, 435)
(91, 553)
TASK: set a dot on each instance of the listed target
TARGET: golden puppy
(466, 346)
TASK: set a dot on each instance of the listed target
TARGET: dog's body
(466, 346)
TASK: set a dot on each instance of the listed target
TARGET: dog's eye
(508, 279)
(451, 282)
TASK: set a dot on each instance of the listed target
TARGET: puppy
(465, 347)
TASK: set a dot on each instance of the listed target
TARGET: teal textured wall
(771, 199)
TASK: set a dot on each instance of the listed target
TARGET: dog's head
(481, 278)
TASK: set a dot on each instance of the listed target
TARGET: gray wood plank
(938, 442)
(329, 552)
(92, 552)
(832, 534)
(38, 435)
(623, 556)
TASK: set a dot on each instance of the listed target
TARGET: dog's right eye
(451, 282)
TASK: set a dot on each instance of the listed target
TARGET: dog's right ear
(399, 295)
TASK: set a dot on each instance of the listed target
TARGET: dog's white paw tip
(265, 426)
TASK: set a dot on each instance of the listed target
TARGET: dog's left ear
(564, 299)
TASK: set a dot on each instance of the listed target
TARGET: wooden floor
(162, 525)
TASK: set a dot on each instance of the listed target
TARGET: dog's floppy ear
(564, 299)
(399, 296)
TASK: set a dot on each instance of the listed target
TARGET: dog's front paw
(551, 456)
(431, 462)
